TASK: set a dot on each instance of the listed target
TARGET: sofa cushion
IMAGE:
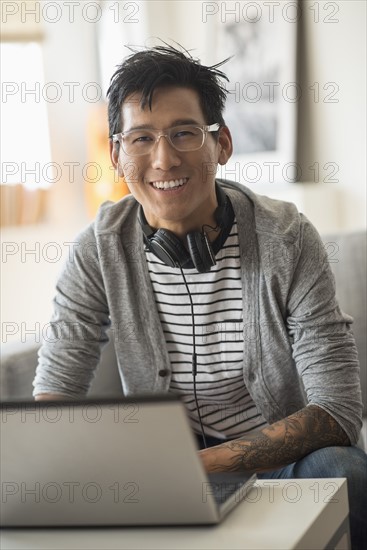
(347, 258)
(18, 365)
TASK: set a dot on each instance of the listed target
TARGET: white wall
(28, 278)
(327, 132)
(336, 132)
(70, 56)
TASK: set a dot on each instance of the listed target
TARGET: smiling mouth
(167, 185)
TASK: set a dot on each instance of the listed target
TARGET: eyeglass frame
(204, 128)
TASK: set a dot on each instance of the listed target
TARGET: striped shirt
(226, 407)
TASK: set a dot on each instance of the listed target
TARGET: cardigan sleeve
(73, 340)
(323, 344)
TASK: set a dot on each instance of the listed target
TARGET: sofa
(347, 258)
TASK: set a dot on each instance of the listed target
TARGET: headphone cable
(194, 363)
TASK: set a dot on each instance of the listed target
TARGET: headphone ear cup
(201, 251)
(201, 254)
(169, 248)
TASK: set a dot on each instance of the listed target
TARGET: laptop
(110, 462)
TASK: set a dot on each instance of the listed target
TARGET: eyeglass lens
(182, 138)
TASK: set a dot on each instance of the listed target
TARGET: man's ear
(114, 153)
(114, 156)
(225, 145)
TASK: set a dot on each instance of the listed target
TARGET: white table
(302, 513)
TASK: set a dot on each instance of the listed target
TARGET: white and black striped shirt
(227, 409)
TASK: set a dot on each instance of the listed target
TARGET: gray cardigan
(298, 345)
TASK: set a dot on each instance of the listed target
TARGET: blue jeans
(349, 462)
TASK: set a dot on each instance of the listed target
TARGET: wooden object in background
(21, 206)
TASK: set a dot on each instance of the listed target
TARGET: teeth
(171, 184)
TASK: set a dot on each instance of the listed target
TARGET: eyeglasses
(182, 138)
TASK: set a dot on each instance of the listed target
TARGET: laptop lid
(130, 461)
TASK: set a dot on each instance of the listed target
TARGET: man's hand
(275, 446)
(50, 397)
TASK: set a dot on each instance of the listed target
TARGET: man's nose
(164, 155)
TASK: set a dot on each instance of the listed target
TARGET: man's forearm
(275, 446)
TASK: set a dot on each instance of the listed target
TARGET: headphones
(200, 253)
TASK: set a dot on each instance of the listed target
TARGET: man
(229, 304)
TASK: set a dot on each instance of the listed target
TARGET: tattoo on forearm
(285, 441)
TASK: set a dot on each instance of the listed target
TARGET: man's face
(191, 205)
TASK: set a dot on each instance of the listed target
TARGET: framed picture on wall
(261, 109)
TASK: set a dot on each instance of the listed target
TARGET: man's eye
(183, 134)
(141, 139)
